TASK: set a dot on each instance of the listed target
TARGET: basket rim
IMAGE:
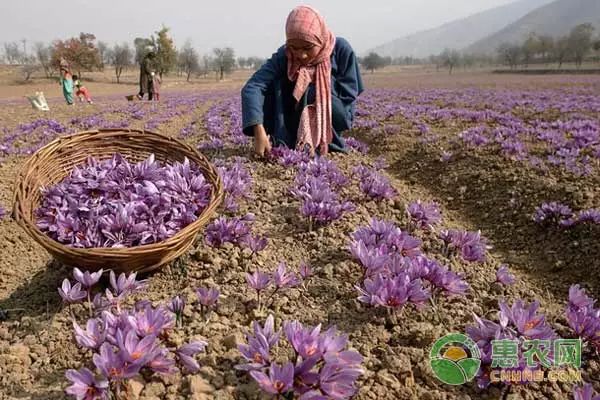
(28, 224)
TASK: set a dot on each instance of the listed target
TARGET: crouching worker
(304, 95)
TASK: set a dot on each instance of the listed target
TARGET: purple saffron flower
(357, 145)
(377, 186)
(313, 394)
(371, 259)
(446, 156)
(578, 299)
(94, 334)
(526, 319)
(445, 280)
(256, 352)
(152, 321)
(338, 381)
(207, 297)
(255, 243)
(320, 203)
(325, 170)
(237, 183)
(582, 317)
(258, 280)
(86, 278)
(503, 276)
(133, 349)
(112, 366)
(472, 245)
(186, 355)
(288, 157)
(259, 345)
(553, 212)
(125, 284)
(585, 392)
(591, 216)
(279, 381)
(228, 230)
(177, 305)
(2, 213)
(71, 294)
(161, 363)
(306, 270)
(284, 279)
(393, 292)
(267, 331)
(380, 163)
(85, 386)
(424, 215)
(304, 340)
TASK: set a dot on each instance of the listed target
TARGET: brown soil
(36, 344)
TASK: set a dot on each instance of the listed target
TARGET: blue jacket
(267, 96)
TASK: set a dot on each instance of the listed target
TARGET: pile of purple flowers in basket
(114, 203)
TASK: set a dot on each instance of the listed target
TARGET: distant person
(147, 74)
(304, 95)
(82, 92)
(156, 81)
(66, 80)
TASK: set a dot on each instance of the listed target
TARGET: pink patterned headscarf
(305, 23)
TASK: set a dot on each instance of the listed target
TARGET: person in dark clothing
(305, 94)
(147, 72)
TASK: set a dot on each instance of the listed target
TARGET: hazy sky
(251, 27)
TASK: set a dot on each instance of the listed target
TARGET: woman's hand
(262, 144)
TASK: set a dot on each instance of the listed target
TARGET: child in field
(82, 91)
(305, 94)
(66, 80)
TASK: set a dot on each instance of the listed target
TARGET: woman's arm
(348, 80)
(254, 91)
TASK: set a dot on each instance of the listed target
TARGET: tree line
(577, 47)
(85, 54)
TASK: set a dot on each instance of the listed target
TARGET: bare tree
(12, 53)
(255, 62)
(450, 59)
(206, 65)
(29, 67)
(43, 53)
(529, 49)
(562, 50)
(104, 52)
(224, 61)
(580, 42)
(546, 47)
(188, 59)
(121, 57)
(510, 54)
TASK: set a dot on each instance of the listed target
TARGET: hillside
(554, 19)
(460, 33)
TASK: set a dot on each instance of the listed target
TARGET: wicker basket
(55, 161)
